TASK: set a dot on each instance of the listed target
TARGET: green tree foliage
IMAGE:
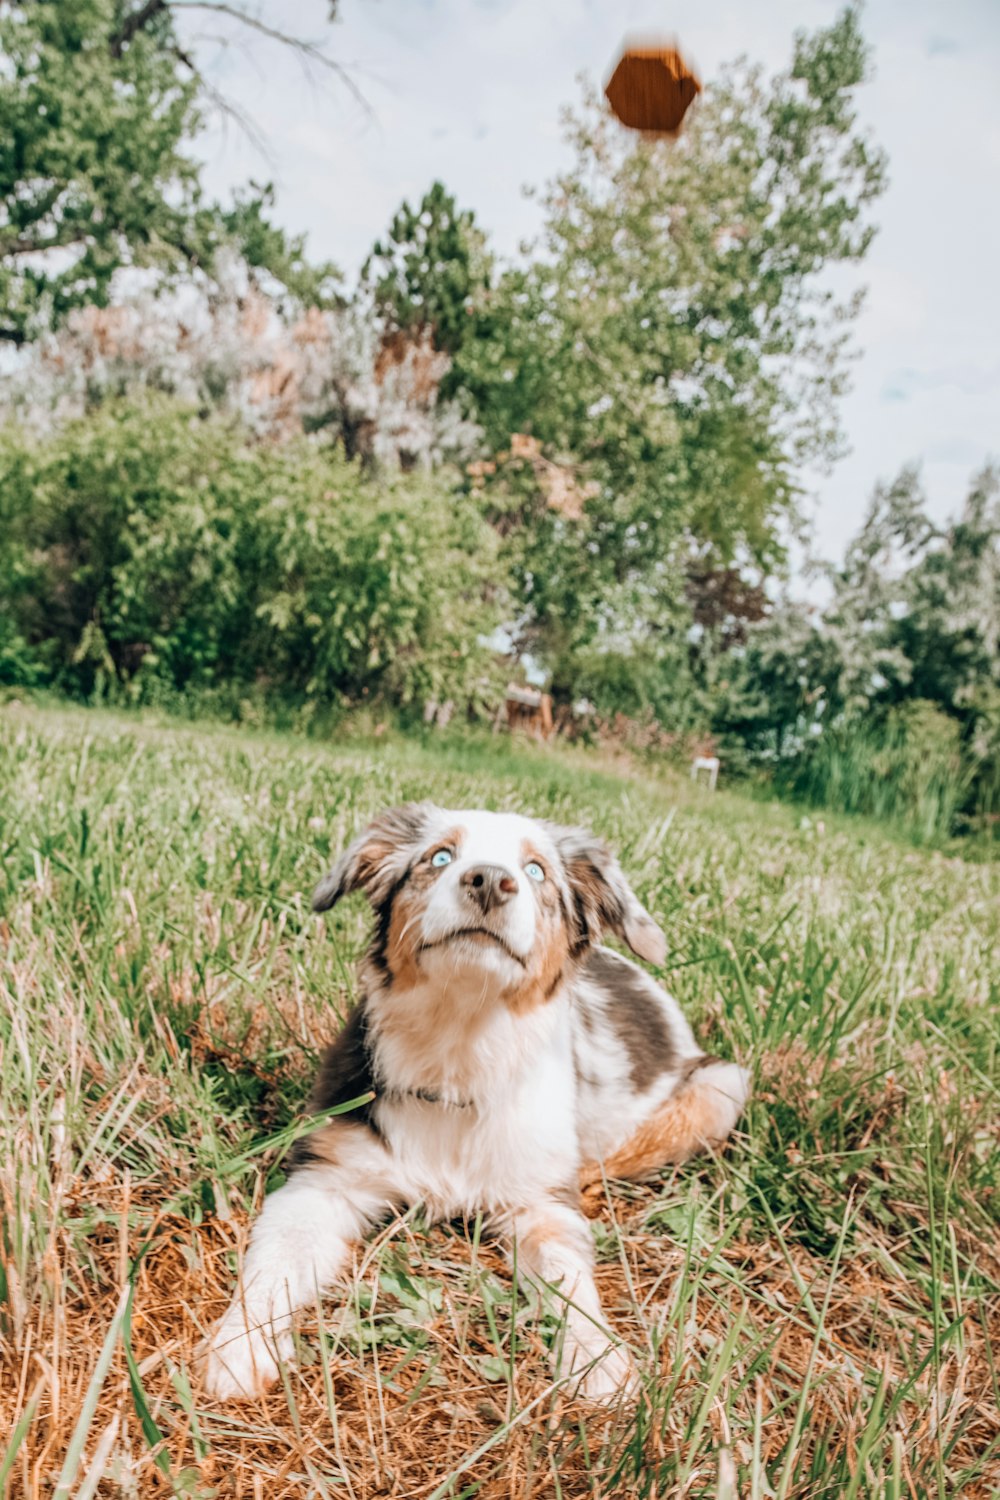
(144, 548)
(900, 671)
(916, 606)
(247, 226)
(676, 335)
(97, 104)
(428, 269)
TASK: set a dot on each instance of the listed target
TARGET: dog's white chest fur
(490, 1128)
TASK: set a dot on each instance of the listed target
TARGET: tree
(225, 346)
(97, 101)
(916, 606)
(949, 626)
(426, 272)
(675, 337)
(899, 673)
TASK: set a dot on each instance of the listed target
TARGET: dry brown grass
(399, 1433)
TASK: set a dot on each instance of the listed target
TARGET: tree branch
(137, 21)
(307, 50)
(23, 245)
(225, 106)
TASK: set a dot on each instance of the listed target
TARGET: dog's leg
(553, 1245)
(299, 1244)
(697, 1117)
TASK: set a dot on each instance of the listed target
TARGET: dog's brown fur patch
(542, 1232)
(545, 977)
(403, 942)
(402, 930)
(345, 1074)
(326, 1146)
(684, 1124)
(552, 946)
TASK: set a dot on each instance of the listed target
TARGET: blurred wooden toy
(651, 88)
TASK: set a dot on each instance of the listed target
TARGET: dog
(507, 1063)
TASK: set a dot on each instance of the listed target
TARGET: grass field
(816, 1312)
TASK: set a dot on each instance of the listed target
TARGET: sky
(470, 91)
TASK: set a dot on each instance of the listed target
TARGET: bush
(147, 550)
(652, 682)
(909, 769)
(982, 805)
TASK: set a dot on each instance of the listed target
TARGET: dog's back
(644, 1088)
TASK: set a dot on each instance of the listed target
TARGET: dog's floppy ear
(603, 900)
(378, 857)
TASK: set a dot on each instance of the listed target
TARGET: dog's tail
(698, 1116)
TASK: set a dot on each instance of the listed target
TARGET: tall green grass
(907, 770)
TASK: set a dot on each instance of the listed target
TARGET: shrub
(908, 769)
(650, 682)
(147, 549)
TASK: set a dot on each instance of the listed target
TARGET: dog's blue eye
(442, 857)
(534, 870)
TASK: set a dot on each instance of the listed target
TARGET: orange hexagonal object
(651, 89)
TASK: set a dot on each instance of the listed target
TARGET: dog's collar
(428, 1096)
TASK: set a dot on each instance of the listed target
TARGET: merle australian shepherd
(513, 1061)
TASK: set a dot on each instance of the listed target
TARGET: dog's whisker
(413, 922)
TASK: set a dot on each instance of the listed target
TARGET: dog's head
(482, 895)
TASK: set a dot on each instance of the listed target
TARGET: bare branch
(308, 51)
(225, 106)
(233, 112)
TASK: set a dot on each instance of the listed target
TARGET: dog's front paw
(240, 1365)
(612, 1377)
(603, 1371)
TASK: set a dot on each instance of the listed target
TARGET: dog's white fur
(493, 1089)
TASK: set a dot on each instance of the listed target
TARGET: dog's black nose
(489, 886)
